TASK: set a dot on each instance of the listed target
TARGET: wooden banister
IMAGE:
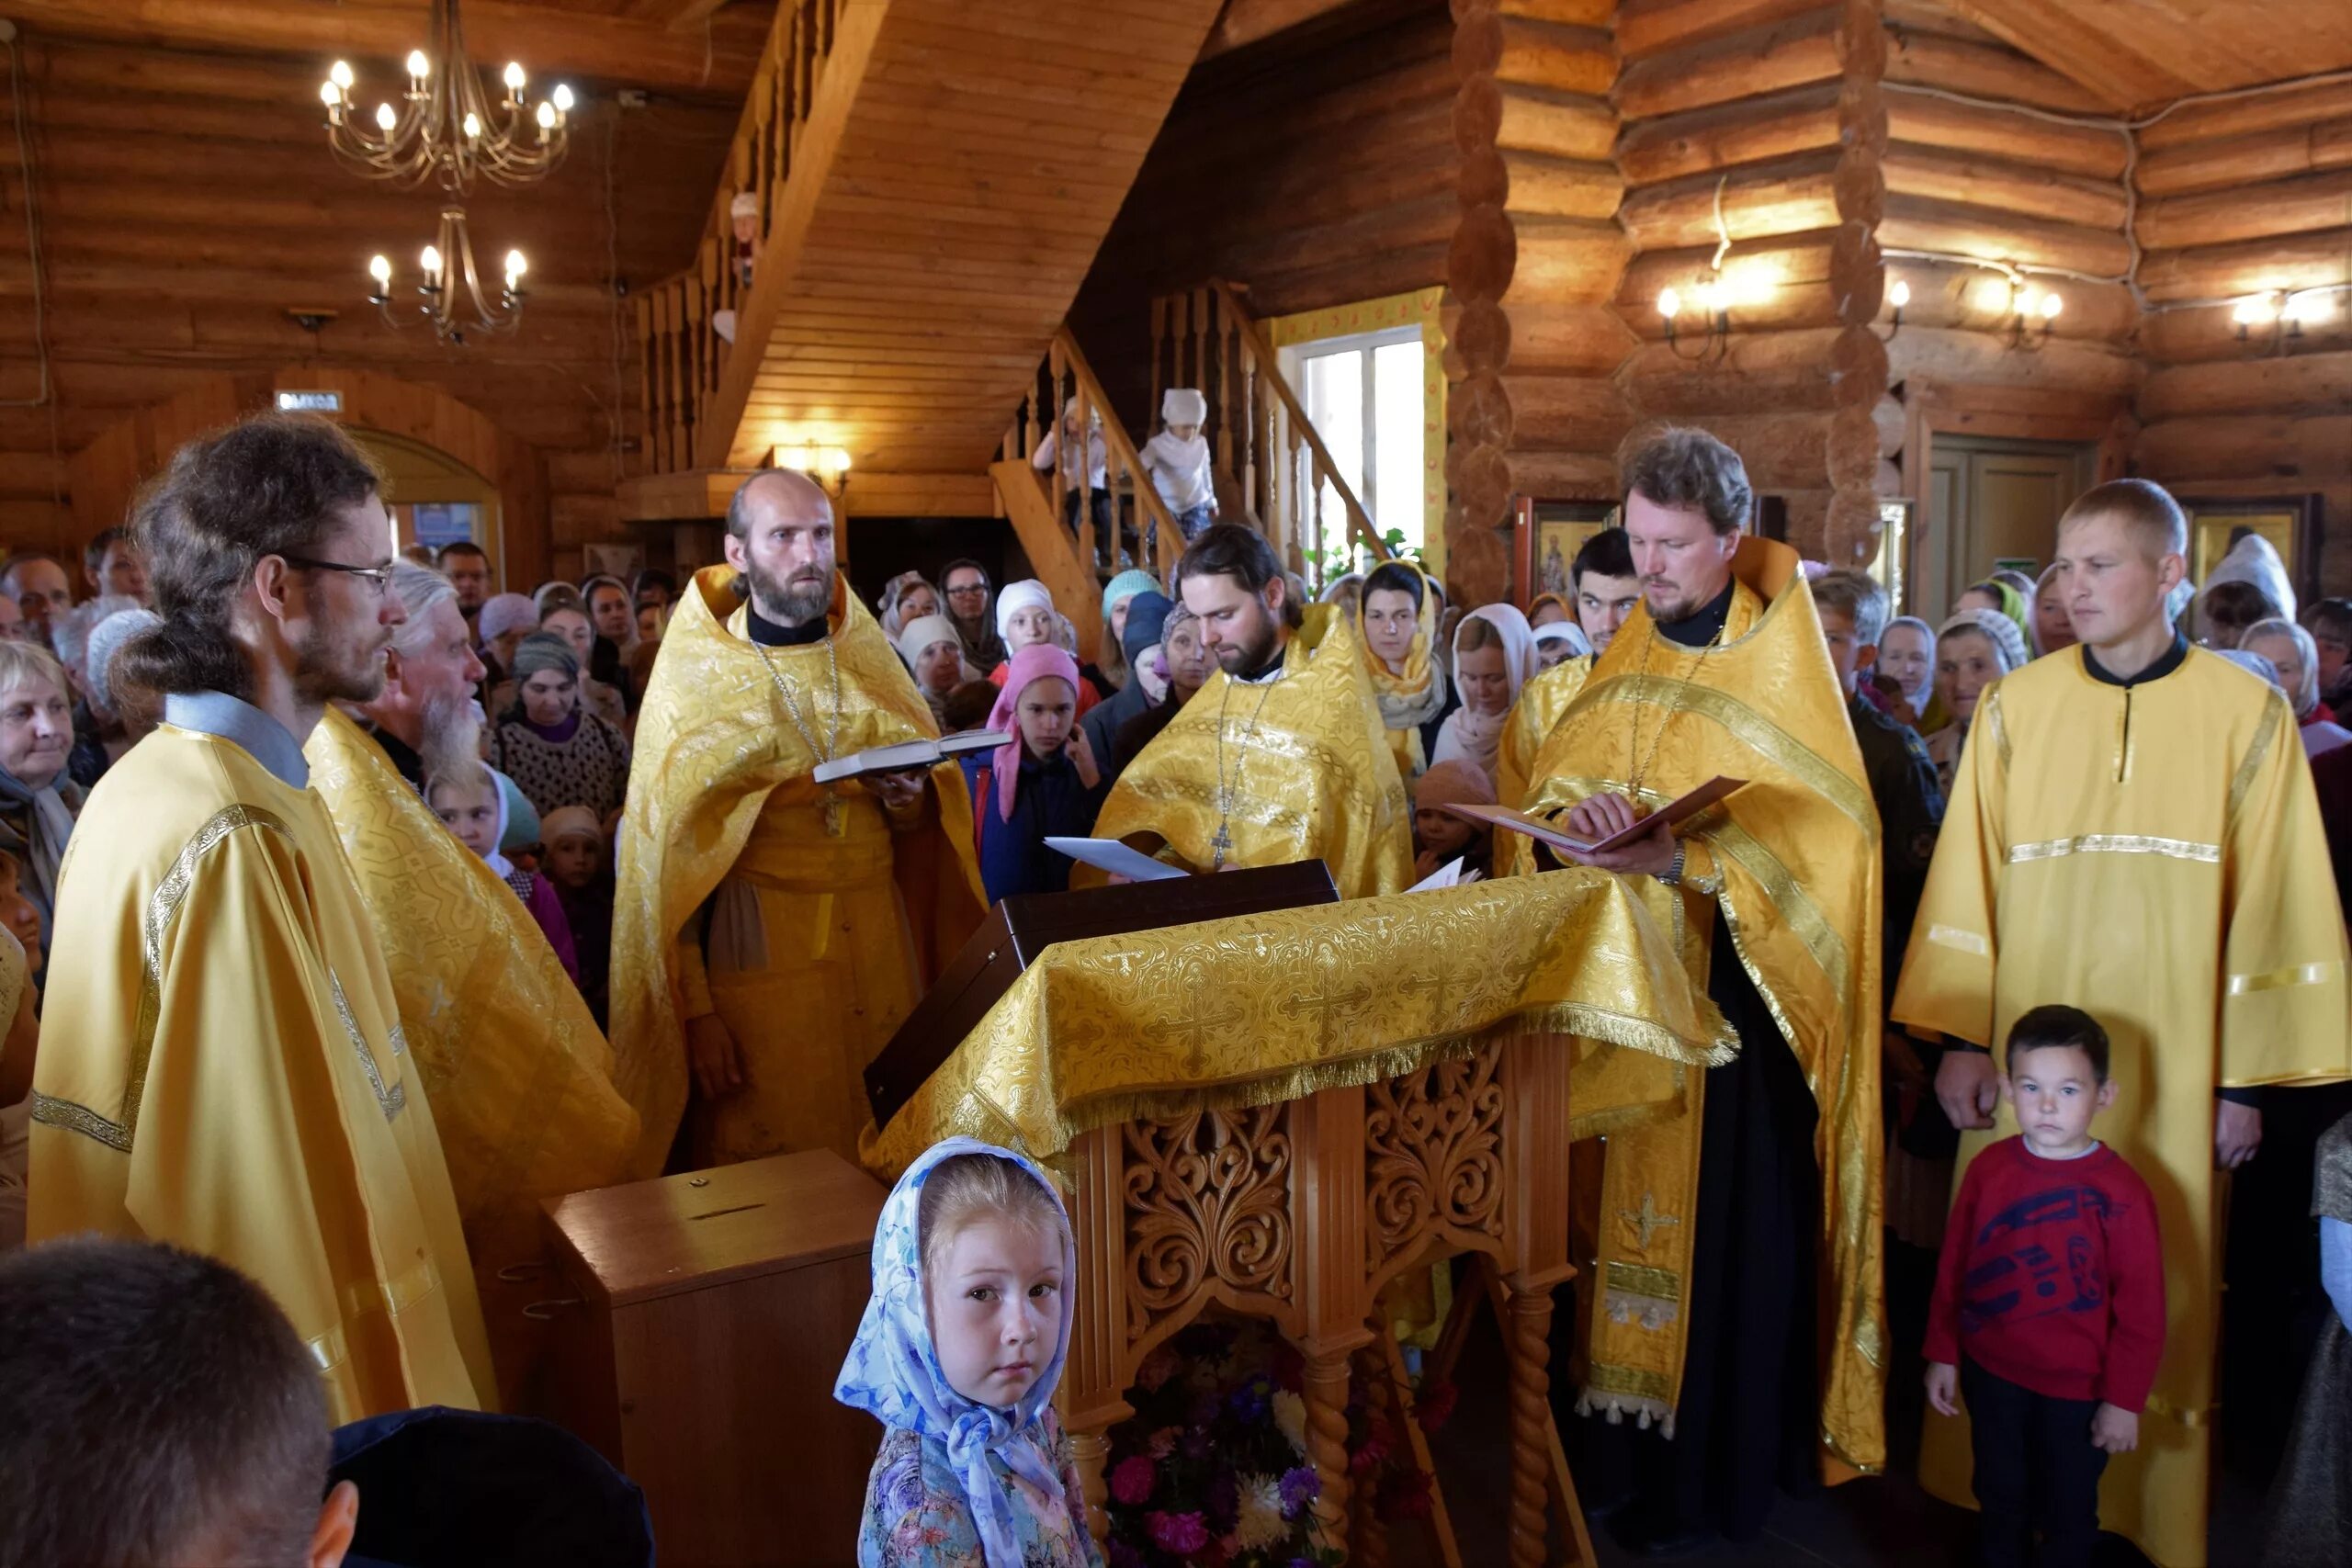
(1132, 499)
(1269, 457)
(678, 341)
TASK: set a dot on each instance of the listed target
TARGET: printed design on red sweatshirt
(2025, 1279)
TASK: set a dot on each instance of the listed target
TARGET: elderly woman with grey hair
(38, 801)
(2294, 655)
(107, 723)
(557, 752)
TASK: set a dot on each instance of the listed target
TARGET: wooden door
(1990, 500)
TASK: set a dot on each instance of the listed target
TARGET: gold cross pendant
(836, 816)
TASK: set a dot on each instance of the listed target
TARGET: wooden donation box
(709, 1313)
(1298, 1210)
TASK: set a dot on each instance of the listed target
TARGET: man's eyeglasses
(379, 578)
(968, 591)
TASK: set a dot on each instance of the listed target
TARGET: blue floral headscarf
(893, 1372)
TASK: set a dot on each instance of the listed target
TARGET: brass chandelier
(447, 131)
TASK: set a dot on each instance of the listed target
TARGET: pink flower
(1179, 1533)
(1435, 1405)
(1132, 1479)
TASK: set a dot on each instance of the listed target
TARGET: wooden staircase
(933, 179)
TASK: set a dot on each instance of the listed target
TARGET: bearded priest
(1283, 755)
(770, 932)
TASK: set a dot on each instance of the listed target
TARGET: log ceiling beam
(2081, 50)
(675, 15)
(618, 50)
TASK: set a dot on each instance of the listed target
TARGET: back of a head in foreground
(155, 1408)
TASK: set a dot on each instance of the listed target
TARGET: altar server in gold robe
(1282, 756)
(222, 1065)
(769, 931)
(2133, 831)
(1740, 1311)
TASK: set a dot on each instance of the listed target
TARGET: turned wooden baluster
(1231, 395)
(1325, 1394)
(698, 337)
(1158, 328)
(1530, 1337)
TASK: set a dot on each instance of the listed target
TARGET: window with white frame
(1365, 395)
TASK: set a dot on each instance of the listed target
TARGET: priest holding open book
(770, 930)
(1739, 1318)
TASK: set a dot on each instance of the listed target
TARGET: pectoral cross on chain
(1220, 846)
(836, 814)
(1647, 1219)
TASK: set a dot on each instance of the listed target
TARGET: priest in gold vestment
(223, 1067)
(1281, 756)
(2133, 831)
(1739, 1308)
(768, 933)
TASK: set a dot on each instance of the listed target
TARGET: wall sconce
(829, 465)
(2026, 308)
(1899, 296)
(1715, 301)
(2280, 317)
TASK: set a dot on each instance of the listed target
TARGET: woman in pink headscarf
(1045, 781)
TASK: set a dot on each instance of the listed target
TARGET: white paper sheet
(1109, 854)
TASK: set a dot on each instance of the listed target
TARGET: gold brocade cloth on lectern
(1260, 1009)
(1305, 761)
(835, 920)
(1793, 861)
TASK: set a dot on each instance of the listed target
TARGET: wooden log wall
(1315, 167)
(187, 200)
(2240, 199)
(1536, 255)
(1771, 112)
(2002, 184)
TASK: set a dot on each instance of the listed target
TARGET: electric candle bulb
(1900, 294)
(546, 115)
(473, 125)
(330, 94)
(513, 76)
(381, 269)
(1669, 304)
(430, 260)
(563, 98)
(418, 66)
(339, 74)
(515, 266)
(2051, 306)
(385, 117)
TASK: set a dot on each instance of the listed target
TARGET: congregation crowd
(543, 731)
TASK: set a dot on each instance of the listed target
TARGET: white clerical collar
(241, 724)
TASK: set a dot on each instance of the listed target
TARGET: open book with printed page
(1675, 813)
(909, 756)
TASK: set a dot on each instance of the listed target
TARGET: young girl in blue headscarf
(957, 1357)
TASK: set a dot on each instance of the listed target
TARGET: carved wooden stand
(1298, 1214)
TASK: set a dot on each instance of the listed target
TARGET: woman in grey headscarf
(38, 801)
(558, 753)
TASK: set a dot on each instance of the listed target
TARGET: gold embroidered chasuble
(1541, 703)
(227, 1073)
(520, 1075)
(1793, 863)
(2154, 855)
(824, 926)
(1305, 759)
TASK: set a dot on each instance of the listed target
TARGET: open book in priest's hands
(1675, 813)
(909, 756)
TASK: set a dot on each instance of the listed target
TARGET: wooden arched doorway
(418, 430)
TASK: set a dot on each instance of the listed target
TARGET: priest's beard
(1245, 658)
(325, 673)
(793, 603)
(452, 740)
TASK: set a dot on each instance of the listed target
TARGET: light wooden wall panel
(189, 200)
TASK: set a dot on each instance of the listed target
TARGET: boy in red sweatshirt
(2049, 1311)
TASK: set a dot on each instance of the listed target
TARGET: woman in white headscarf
(2252, 558)
(1975, 648)
(1494, 656)
(2294, 658)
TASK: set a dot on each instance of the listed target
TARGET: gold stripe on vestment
(1990, 706)
(1960, 941)
(392, 1101)
(2279, 979)
(1639, 1280)
(1607, 1379)
(2275, 717)
(2115, 844)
